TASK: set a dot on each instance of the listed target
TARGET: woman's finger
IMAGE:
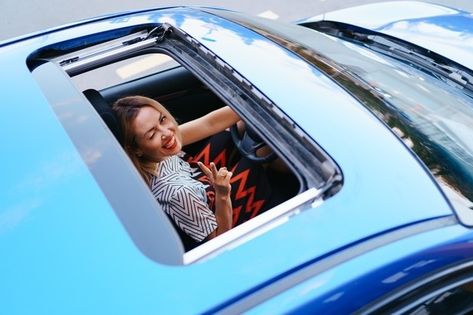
(205, 169)
(214, 170)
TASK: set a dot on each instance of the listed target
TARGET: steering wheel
(248, 143)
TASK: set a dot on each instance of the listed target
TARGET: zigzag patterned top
(183, 198)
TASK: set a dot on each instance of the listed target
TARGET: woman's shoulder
(169, 165)
(172, 171)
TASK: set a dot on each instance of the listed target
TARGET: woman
(198, 203)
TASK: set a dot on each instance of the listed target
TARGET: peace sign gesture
(220, 179)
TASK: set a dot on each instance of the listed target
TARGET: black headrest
(105, 111)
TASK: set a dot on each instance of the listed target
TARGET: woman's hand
(220, 179)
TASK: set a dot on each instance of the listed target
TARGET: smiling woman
(203, 184)
(152, 140)
(150, 133)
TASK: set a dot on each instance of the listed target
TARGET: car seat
(104, 109)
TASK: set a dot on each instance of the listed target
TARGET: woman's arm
(223, 204)
(223, 214)
(208, 125)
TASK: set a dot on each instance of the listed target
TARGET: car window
(447, 291)
(432, 117)
(122, 71)
(457, 300)
(427, 107)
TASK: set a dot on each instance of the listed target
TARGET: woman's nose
(166, 133)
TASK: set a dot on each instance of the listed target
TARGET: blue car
(370, 108)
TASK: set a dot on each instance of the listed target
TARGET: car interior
(186, 98)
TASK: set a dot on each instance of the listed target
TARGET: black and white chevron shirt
(183, 198)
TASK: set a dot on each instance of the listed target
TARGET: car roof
(60, 234)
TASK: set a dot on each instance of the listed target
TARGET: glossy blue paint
(65, 251)
(348, 287)
(56, 228)
(446, 31)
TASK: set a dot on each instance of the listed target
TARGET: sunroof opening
(263, 190)
(256, 186)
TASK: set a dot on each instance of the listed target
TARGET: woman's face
(156, 134)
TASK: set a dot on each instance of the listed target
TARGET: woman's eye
(163, 118)
(152, 135)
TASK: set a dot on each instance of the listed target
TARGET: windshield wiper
(437, 65)
(386, 44)
(407, 52)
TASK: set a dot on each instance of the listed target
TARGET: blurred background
(21, 17)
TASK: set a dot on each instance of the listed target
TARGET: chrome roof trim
(255, 227)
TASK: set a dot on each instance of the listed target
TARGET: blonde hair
(127, 109)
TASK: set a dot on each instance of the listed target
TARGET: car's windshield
(432, 113)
